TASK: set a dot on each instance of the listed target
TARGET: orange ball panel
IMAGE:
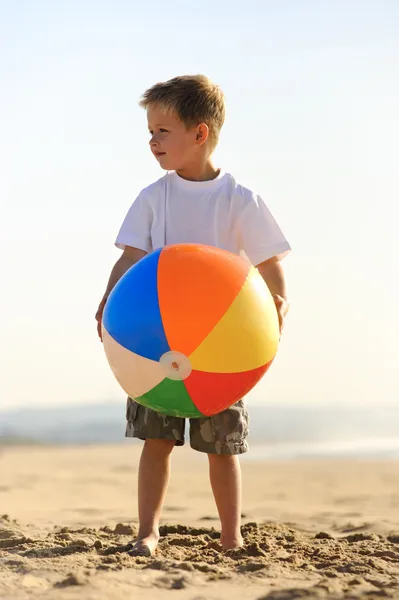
(196, 286)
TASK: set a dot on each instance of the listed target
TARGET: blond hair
(193, 99)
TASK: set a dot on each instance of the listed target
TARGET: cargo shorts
(224, 433)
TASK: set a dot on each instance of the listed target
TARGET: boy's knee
(222, 457)
(159, 446)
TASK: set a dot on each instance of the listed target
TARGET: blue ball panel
(132, 316)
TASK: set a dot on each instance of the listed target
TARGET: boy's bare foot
(145, 546)
(232, 543)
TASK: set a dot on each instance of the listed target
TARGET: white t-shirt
(219, 213)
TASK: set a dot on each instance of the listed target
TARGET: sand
(317, 529)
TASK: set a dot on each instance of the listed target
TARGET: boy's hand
(282, 307)
(129, 257)
(274, 277)
(99, 317)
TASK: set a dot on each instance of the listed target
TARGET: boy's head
(185, 116)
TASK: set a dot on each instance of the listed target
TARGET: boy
(199, 203)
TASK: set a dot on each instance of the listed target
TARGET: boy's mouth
(158, 154)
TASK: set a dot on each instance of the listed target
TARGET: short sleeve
(260, 236)
(136, 228)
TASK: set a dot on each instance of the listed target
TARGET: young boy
(194, 202)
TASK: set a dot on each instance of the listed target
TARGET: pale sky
(313, 126)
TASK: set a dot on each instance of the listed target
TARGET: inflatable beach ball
(189, 330)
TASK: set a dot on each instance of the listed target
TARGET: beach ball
(189, 330)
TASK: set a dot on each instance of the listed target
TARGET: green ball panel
(170, 393)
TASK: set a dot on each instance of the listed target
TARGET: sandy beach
(325, 529)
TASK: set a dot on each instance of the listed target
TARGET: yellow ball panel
(247, 335)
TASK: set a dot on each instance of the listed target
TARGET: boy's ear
(202, 133)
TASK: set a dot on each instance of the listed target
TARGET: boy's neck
(205, 171)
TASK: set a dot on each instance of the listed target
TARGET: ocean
(283, 432)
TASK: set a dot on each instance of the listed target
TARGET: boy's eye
(161, 131)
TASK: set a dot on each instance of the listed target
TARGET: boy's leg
(225, 476)
(161, 434)
(154, 473)
(223, 437)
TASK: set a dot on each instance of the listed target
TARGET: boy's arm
(129, 257)
(273, 273)
(265, 246)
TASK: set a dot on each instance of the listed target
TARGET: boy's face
(172, 143)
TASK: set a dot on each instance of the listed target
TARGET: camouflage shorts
(225, 433)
